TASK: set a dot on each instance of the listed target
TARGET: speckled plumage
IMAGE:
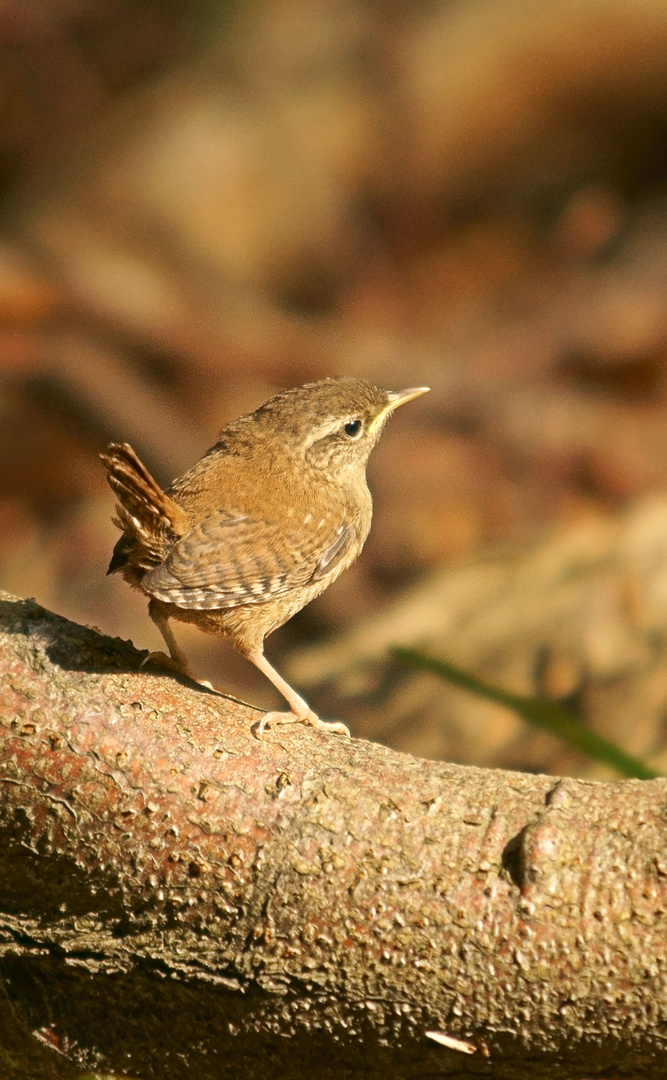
(260, 525)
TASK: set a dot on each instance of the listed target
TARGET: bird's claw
(162, 660)
(270, 719)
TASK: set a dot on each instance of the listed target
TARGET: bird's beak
(396, 398)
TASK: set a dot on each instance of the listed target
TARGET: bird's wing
(232, 559)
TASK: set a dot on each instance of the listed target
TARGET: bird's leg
(300, 713)
(177, 658)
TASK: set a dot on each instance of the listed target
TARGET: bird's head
(333, 424)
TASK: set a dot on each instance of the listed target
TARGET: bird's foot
(311, 718)
(160, 659)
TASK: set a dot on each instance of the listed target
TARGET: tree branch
(179, 899)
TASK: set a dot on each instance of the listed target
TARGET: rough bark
(179, 899)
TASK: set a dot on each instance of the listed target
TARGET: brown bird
(263, 523)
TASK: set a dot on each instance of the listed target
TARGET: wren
(259, 526)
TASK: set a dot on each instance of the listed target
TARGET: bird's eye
(353, 429)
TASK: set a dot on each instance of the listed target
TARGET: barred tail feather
(149, 520)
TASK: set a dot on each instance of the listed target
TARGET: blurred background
(203, 202)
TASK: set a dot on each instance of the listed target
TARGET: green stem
(542, 714)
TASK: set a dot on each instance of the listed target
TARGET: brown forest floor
(204, 203)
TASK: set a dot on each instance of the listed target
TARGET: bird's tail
(148, 518)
